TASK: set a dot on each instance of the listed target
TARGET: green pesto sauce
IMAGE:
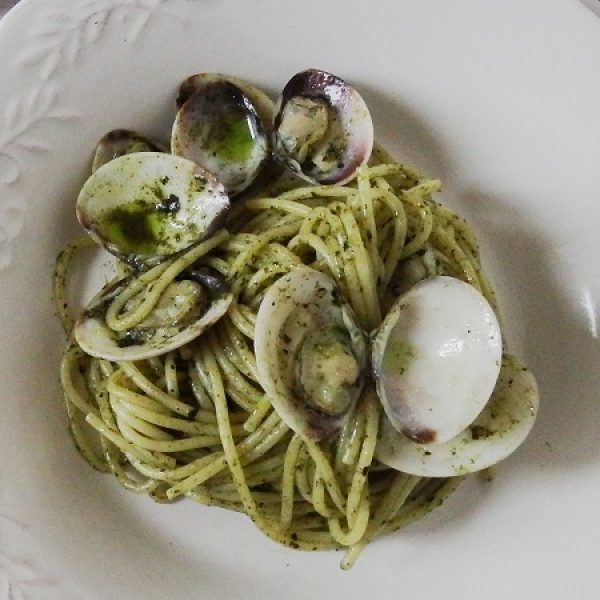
(398, 356)
(136, 228)
(230, 139)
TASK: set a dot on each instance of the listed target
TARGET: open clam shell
(310, 354)
(219, 127)
(265, 107)
(185, 309)
(322, 130)
(436, 359)
(498, 430)
(148, 205)
(119, 142)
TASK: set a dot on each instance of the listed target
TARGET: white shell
(147, 205)
(345, 106)
(436, 359)
(298, 302)
(498, 431)
(97, 339)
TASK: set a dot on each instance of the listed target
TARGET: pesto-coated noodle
(195, 421)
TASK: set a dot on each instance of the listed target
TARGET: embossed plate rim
(501, 117)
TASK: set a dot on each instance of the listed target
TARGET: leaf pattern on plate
(62, 36)
(59, 37)
(21, 139)
(21, 576)
(19, 136)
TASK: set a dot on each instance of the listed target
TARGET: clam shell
(265, 107)
(498, 431)
(436, 359)
(219, 128)
(95, 337)
(301, 301)
(351, 143)
(119, 142)
(148, 205)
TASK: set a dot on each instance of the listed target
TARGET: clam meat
(310, 353)
(186, 308)
(322, 130)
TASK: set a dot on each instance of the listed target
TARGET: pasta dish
(297, 329)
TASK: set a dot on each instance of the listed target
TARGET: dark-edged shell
(265, 107)
(497, 432)
(322, 130)
(219, 127)
(310, 354)
(119, 142)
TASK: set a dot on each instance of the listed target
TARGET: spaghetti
(195, 422)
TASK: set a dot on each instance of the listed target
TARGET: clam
(322, 130)
(148, 205)
(119, 142)
(219, 127)
(184, 310)
(310, 354)
(265, 107)
(498, 430)
(436, 359)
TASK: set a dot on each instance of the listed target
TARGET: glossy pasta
(195, 421)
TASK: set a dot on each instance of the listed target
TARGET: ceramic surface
(498, 100)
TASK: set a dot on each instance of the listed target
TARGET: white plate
(499, 100)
